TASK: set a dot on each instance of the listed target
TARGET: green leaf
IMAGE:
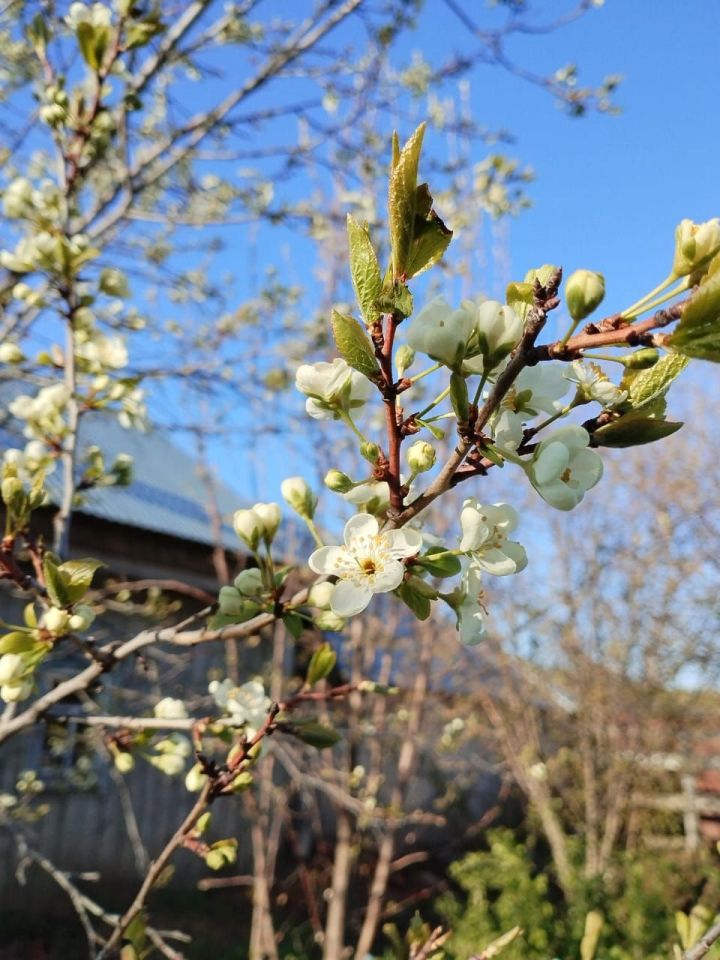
(85, 34)
(519, 296)
(55, 583)
(321, 664)
(139, 34)
(294, 624)
(365, 270)
(634, 429)
(314, 734)
(440, 565)
(648, 385)
(542, 274)
(430, 235)
(402, 198)
(698, 333)
(354, 346)
(17, 642)
(78, 575)
(414, 598)
(395, 297)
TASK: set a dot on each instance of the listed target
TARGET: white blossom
(441, 332)
(368, 563)
(595, 385)
(170, 709)
(471, 612)
(247, 704)
(695, 245)
(563, 469)
(485, 532)
(498, 330)
(331, 388)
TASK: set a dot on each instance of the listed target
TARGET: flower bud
(338, 481)
(81, 618)
(170, 708)
(11, 353)
(56, 621)
(12, 667)
(327, 620)
(404, 358)
(231, 602)
(299, 496)
(19, 690)
(319, 595)
(195, 779)
(249, 527)
(421, 456)
(584, 292)
(124, 761)
(12, 492)
(269, 516)
(370, 451)
(249, 582)
(695, 245)
(640, 359)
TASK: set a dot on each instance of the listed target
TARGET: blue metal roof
(167, 494)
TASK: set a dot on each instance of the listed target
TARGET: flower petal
(361, 525)
(550, 463)
(390, 576)
(496, 562)
(347, 599)
(326, 559)
(404, 542)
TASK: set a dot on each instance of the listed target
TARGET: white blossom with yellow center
(369, 562)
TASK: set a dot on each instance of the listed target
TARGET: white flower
(536, 390)
(471, 613)
(695, 245)
(498, 329)
(170, 709)
(331, 388)
(374, 492)
(563, 468)
(441, 332)
(247, 704)
(595, 385)
(485, 530)
(370, 562)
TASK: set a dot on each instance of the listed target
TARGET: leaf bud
(404, 358)
(299, 496)
(338, 481)
(584, 292)
(421, 456)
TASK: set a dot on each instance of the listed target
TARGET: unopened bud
(404, 358)
(56, 621)
(370, 451)
(299, 496)
(338, 481)
(421, 456)
(11, 353)
(327, 620)
(248, 527)
(82, 618)
(249, 582)
(584, 292)
(12, 492)
(641, 359)
(319, 595)
(269, 516)
(124, 761)
(695, 245)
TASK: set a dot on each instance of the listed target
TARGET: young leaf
(395, 297)
(440, 566)
(354, 346)
(430, 235)
(55, 583)
(412, 598)
(634, 429)
(402, 197)
(294, 624)
(698, 333)
(86, 41)
(17, 642)
(321, 664)
(78, 575)
(519, 296)
(314, 734)
(365, 270)
(648, 385)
